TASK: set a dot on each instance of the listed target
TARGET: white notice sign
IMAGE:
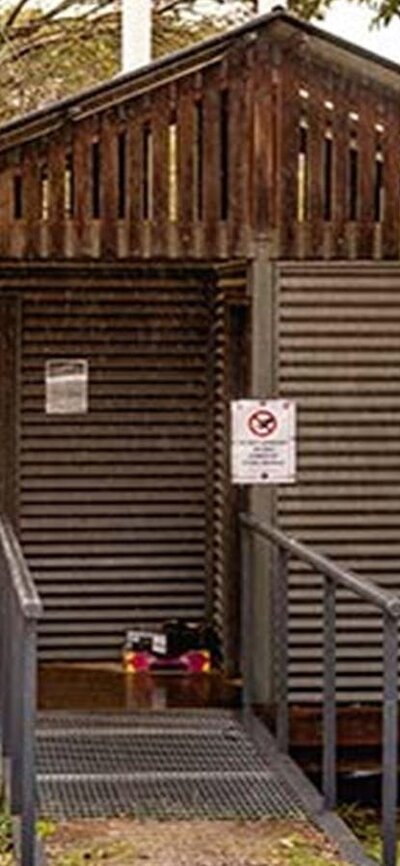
(66, 386)
(263, 443)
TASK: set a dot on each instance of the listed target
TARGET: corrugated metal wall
(116, 504)
(339, 356)
(231, 381)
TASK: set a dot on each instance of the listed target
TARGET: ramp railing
(388, 603)
(20, 608)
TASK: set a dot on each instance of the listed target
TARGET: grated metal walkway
(173, 764)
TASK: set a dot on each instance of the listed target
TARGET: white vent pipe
(135, 34)
(264, 7)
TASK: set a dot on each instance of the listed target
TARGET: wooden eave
(287, 32)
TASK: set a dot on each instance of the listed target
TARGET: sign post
(263, 441)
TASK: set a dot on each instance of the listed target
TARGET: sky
(352, 22)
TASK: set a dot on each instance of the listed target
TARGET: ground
(125, 842)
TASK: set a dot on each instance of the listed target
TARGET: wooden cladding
(338, 186)
(155, 184)
(260, 141)
(69, 187)
(18, 197)
(147, 173)
(327, 175)
(122, 177)
(224, 155)
(96, 179)
(198, 147)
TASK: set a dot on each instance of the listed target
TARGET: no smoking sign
(262, 423)
(263, 441)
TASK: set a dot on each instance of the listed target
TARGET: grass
(365, 824)
(45, 829)
(94, 854)
(5, 839)
(130, 842)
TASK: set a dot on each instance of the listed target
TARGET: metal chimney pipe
(135, 34)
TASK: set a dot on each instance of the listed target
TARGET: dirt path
(126, 842)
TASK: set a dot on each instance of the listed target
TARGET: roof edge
(193, 52)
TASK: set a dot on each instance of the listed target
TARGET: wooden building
(225, 221)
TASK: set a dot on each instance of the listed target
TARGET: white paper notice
(66, 386)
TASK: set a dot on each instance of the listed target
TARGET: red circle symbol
(262, 423)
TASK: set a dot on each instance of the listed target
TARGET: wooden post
(108, 186)
(186, 178)
(367, 155)
(56, 179)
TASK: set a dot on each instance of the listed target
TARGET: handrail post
(16, 657)
(383, 600)
(246, 617)
(280, 608)
(20, 610)
(5, 671)
(329, 696)
(390, 749)
(28, 778)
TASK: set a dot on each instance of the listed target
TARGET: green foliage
(53, 48)
(110, 853)
(292, 850)
(382, 11)
(5, 832)
(295, 850)
(46, 828)
(5, 838)
(309, 8)
(365, 825)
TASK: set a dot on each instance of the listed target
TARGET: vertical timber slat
(261, 140)
(186, 179)
(56, 169)
(391, 184)
(32, 202)
(160, 124)
(134, 158)
(211, 174)
(239, 148)
(6, 175)
(317, 131)
(290, 120)
(340, 174)
(366, 138)
(108, 187)
(81, 171)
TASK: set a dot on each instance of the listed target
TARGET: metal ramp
(173, 764)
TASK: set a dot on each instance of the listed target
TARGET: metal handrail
(21, 577)
(20, 609)
(389, 605)
(362, 586)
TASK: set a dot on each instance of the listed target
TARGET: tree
(52, 49)
(382, 11)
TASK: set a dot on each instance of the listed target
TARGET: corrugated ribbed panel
(339, 357)
(114, 503)
(220, 445)
(228, 375)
